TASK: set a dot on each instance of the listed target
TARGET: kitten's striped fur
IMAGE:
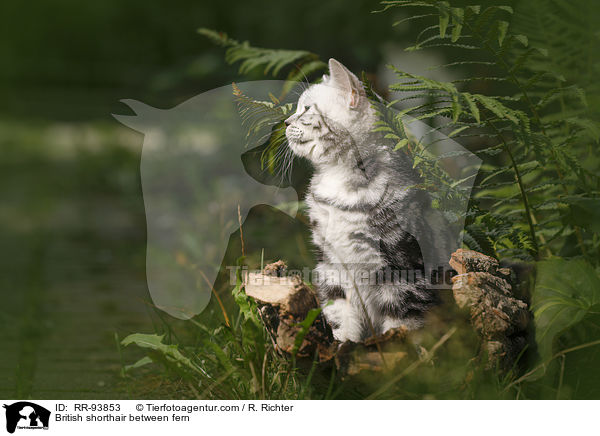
(364, 210)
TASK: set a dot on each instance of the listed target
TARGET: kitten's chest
(341, 233)
(340, 203)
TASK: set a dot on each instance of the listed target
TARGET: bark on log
(284, 302)
(499, 318)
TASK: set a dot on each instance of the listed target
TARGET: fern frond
(264, 125)
(300, 63)
(535, 128)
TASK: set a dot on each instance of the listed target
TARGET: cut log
(289, 294)
(500, 319)
(284, 302)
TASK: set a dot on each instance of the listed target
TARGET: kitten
(364, 211)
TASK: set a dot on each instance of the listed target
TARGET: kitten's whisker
(291, 168)
(263, 138)
(290, 165)
(283, 170)
(305, 78)
(279, 156)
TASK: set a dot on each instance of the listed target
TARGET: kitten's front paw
(348, 332)
(341, 335)
(344, 320)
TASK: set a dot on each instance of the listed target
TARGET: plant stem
(541, 365)
(534, 112)
(241, 231)
(414, 365)
(528, 212)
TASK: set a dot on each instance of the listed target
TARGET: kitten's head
(332, 118)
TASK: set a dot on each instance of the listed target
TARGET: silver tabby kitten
(363, 210)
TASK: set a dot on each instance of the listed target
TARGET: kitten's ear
(348, 82)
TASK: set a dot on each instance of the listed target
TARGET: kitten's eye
(306, 108)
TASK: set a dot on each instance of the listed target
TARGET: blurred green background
(72, 214)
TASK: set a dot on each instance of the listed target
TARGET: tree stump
(500, 319)
(283, 303)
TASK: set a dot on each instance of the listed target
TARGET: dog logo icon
(26, 415)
